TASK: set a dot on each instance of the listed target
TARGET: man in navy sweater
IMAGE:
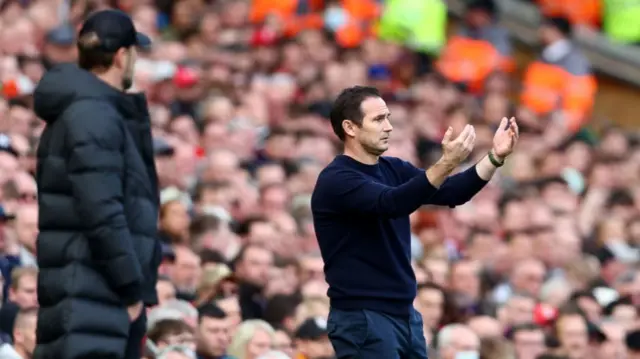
(361, 207)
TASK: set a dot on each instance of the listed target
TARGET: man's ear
(349, 128)
(120, 58)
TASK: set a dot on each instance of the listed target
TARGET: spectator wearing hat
(312, 340)
(163, 154)
(59, 46)
(211, 282)
(98, 194)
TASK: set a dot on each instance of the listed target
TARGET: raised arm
(95, 141)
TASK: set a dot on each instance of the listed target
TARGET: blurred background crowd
(543, 263)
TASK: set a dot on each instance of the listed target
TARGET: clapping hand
(457, 150)
(506, 137)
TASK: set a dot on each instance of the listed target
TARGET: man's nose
(387, 126)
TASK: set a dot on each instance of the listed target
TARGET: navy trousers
(367, 334)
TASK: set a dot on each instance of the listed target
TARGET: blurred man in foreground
(97, 249)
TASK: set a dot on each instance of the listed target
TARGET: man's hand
(505, 138)
(135, 311)
(456, 151)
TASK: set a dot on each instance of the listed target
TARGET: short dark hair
(167, 327)
(526, 327)
(90, 55)
(201, 225)
(210, 310)
(280, 307)
(347, 107)
(208, 255)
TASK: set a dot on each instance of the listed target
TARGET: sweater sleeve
(458, 189)
(347, 191)
(454, 191)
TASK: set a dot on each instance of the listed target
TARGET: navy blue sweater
(361, 217)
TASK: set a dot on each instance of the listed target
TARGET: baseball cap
(216, 274)
(63, 35)
(185, 77)
(167, 251)
(115, 30)
(162, 148)
(312, 329)
(544, 314)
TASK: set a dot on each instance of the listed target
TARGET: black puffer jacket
(97, 249)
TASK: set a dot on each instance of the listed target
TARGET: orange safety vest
(549, 87)
(362, 9)
(578, 12)
(471, 61)
(260, 9)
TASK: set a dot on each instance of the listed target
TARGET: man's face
(231, 307)
(483, 247)
(8, 166)
(529, 344)
(520, 310)
(166, 291)
(213, 336)
(256, 265)
(316, 349)
(439, 270)
(26, 227)
(186, 270)
(529, 277)
(26, 294)
(560, 198)
(166, 168)
(430, 302)
(464, 340)
(515, 216)
(185, 339)
(614, 346)
(465, 280)
(573, 336)
(626, 315)
(20, 120)
(312, 268)
(374, 132)
(25, 337)
(130, 55)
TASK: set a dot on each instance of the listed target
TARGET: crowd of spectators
(543, 263)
